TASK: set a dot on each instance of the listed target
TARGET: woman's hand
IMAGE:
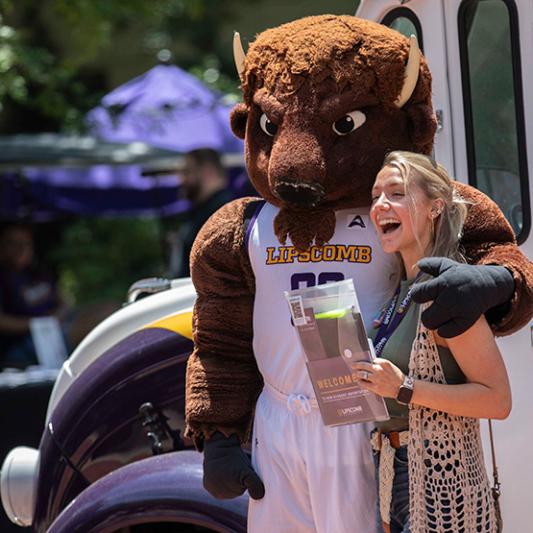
(381, 376)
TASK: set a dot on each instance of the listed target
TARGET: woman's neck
(410, 259)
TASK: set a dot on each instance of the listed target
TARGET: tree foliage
(58, 57)
(101, 258)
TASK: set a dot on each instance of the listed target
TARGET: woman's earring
(433, 217)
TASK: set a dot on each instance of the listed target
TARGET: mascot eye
(267, 125)
(349, 123)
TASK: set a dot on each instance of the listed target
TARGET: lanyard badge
(390, 320)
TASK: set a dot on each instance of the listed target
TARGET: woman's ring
(364, 375)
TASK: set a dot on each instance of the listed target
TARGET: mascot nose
(300, 194)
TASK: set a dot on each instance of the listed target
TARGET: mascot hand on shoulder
(324, 100)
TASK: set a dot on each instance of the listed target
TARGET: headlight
(18, 482)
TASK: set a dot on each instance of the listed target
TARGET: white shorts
(317, 478)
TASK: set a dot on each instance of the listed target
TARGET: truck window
(492, 94)
(406, 22)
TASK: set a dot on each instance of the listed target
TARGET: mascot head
(325, 99)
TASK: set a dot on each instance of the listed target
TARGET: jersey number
(308, 279)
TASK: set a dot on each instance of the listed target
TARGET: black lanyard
(390, 320)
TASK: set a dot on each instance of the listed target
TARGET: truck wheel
(165, 527)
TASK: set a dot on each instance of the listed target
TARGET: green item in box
(334, 313)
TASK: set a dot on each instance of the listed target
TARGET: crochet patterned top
(448, 485)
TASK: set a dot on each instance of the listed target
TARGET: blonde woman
(430, 465)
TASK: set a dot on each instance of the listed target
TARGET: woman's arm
(486, 395)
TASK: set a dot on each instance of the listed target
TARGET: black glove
(228, 470)
(461, 293)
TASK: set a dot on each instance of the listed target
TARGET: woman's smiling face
(402, 219)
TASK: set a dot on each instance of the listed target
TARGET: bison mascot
(325, 99)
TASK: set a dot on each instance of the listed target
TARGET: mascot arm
(488, 239)
(223, 381)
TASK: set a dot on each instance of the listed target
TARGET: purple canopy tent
(99, 191)
(168, 108)
(46, 175)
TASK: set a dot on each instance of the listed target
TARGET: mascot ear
(238, 118)
(422, 124)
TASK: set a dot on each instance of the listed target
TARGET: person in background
(431, 470)
(205, 184)
(26, 291)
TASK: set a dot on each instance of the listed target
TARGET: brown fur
(222, 329)
(304, 228)
(346, 53)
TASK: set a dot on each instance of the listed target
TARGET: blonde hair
(434, 181)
